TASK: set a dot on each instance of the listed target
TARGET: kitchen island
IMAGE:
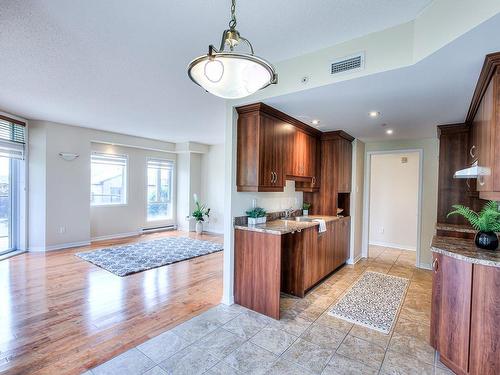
(465, 325)
(287, 256)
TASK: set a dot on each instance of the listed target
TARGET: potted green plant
(305, 208)
(486, 222)
(256, 215)
(201, 211)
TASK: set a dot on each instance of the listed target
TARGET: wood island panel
(485, 322)
(257, 269)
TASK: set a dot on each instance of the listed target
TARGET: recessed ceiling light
(315, 122)
(389, 131)
(374, 113)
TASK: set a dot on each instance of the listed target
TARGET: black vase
(486, 240)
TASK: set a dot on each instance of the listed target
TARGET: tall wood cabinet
(465, 325)
(335, 184)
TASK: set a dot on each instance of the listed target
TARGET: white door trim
(366, 197)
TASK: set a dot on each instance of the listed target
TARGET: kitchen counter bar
(466, 250)
(281, 227)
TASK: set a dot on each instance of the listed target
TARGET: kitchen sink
(299, 218)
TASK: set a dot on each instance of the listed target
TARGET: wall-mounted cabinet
(272, 147)
(484, 121)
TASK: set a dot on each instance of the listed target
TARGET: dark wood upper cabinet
(484, 121)
(273, 147)
(260, 152)
(454, 154)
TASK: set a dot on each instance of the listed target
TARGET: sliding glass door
(7, 204)
(12, 139)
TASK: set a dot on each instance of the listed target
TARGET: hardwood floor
(62, 315)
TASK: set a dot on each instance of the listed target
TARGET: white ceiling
(120, 65)
(412, 100)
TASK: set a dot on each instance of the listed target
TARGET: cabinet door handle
(313, 180)
(480, 179)
(435, 264)
(275, 177)
(272, 177)
(471, 151)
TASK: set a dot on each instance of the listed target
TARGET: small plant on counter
(256, 215)
(486, 222)
(305, 208)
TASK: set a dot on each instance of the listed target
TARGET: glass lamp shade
(231, 75)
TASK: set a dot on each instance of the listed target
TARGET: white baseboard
(66, 245)
(393, 245)
(355, 260)
(425, 266)
(115, 236)
(227, 300)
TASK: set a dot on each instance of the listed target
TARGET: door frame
(366, 197)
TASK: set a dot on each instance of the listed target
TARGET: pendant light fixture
(229, 74)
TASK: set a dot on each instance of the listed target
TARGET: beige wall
(358, 171)
(212, 180)
(59, 191)
(394, 200)
(128, 219)
(188, 184)
(430, 161)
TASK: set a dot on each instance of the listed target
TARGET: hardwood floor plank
(62, 315)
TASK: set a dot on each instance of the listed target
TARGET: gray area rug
(127, 259)
(373, 301)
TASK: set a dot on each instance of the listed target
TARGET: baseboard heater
(158, 229)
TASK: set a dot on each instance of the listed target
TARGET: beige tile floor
(234, 340)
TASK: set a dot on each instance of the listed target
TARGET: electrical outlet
(380, 230)
(61, 229)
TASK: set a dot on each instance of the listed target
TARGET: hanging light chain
(232, 23)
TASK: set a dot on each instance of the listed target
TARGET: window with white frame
(160, 189)
(108, 179)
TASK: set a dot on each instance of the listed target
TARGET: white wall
(394, 200)
(430, 163)
(212, 181)
(129, 219)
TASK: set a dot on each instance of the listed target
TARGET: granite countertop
(455, 228)
(462, 228)
(466, 250)
(281, 226)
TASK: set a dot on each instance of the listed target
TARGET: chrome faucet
(289, 212)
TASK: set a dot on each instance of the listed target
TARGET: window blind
(161, 164)
(109, 159)
(12, 138)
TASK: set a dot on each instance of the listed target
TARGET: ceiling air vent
(348, 64)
